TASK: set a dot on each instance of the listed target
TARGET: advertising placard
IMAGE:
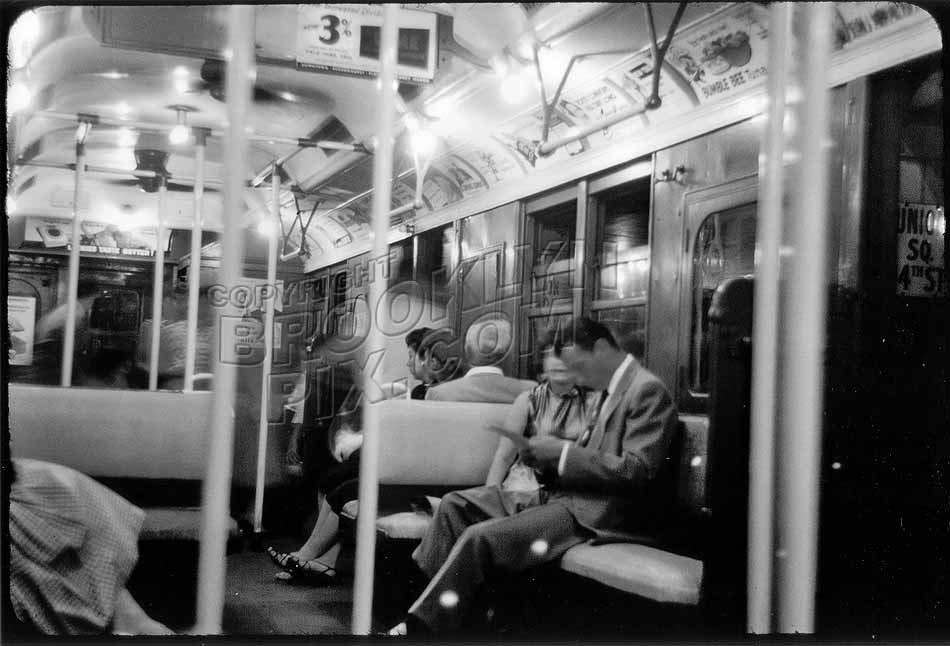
(21, 321)
(921, 252)
(345, 38)
(724, 56)
(96, 237)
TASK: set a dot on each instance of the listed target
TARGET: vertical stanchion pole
(580, 259)
(369, 458)
(194, 272)
(215, 494)
(765, 331)
(72, 296)
(158, 282)
(802, 341)
(268, 305)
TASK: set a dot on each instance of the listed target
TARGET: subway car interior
(256, 254)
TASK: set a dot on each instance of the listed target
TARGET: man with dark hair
(605, 480)
(417, 362)
(487, 342)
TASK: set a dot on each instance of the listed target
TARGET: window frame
(697, 206)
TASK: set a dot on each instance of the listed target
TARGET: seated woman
(337, 478)
(73, 545)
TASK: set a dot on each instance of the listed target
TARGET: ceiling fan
(148, 159)
(213, 74)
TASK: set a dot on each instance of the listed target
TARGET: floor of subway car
(259, 604)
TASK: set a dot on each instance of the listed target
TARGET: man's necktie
(585, 437)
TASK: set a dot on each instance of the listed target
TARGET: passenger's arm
(516, 422)
(649, 427)
(293, 456)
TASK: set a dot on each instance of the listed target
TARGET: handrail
(369, 458)
(212, 565)
(302, 142)
(765, 333)
(659, 54)
(72, 294)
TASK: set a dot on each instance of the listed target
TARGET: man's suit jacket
(612, 479)
(480, 387)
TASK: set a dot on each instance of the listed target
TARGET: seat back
(109, 433)
(437, 443)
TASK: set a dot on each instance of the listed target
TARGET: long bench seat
(443, 442)
(151, 448)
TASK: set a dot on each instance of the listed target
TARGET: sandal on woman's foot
(313, 572)
(283, 560)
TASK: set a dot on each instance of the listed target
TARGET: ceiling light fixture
(82, 131)
(500, 64)
(423, 142)
(180, 133)
(513, 87)
(526, 46)
(126, 137)
(266, 228)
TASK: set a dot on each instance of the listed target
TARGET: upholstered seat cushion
(404, 525)
(177, 523)
(401, 525)
(638, 569)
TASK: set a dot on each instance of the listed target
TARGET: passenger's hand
(293, 458)
(542, 452)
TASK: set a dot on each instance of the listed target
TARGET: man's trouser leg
(525, 539)
(460, 510)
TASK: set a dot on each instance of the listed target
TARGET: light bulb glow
(512, 88)
(179, 134)
(266, 228)
(123, 109)
(82, 131)
(500, 65)
(18, 97)
(412, 122)
(126, 137)
(11, 205)
(379, 85)
(423, 142)
(526, 47)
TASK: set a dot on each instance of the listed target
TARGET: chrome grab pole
(69, 334)
(268, 305)
(215, 494)
(158, 280)
(151, 126)
(765, 331)
(802, 343)
(194, 271)
(369, 458)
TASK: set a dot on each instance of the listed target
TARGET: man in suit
(487, 342)
(607, 479)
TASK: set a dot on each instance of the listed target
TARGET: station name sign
(921, 260)
(345, 39)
